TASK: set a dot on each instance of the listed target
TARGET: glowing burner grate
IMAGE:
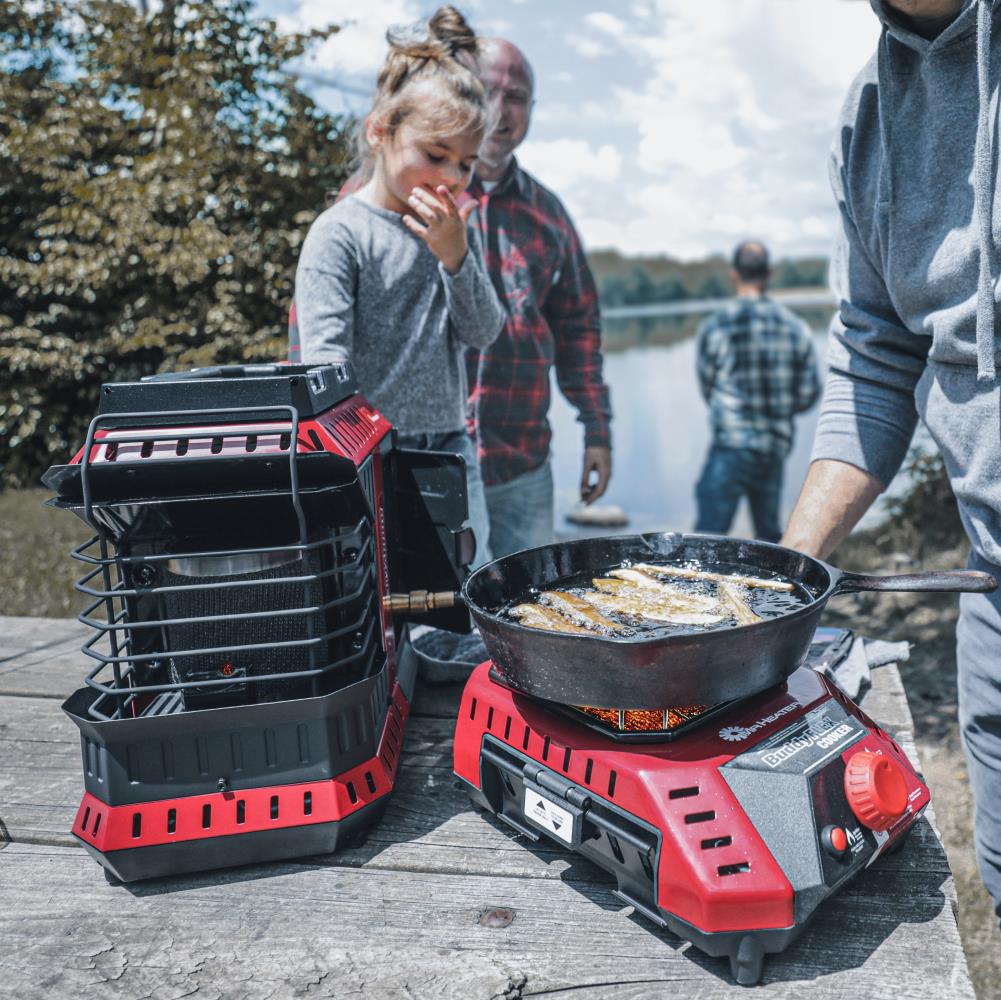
(641, 720)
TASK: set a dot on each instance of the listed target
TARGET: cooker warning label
(547, 814)
(805, 744)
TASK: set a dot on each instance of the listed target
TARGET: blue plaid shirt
(757, 368)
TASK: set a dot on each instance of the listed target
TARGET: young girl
(391, 278)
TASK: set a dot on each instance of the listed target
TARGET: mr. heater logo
(734, 734)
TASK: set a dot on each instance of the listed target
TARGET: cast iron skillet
(699, 668)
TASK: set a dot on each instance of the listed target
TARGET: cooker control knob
(875, 788)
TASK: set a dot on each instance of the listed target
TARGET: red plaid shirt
(540, 273)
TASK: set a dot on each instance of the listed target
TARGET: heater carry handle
(180, 418)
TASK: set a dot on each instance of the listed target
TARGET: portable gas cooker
(728, 825)
(249, 691)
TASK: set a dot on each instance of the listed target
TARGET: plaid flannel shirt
(757, 368)
(536, 262)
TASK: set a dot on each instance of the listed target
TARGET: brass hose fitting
(420, 602)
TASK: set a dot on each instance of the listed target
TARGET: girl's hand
(441, 224)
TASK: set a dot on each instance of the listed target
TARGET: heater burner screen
(215, 630)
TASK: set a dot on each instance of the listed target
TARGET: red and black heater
(249, 691)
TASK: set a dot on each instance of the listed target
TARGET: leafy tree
(713, 286)
(157, 176)
(671, 289)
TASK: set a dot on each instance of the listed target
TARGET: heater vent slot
(683, 793)
(353, 429)
(700, 817)
(711, 843)
(735, 869)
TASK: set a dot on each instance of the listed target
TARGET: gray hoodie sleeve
(325, 292)
(474, 311)
(874, 361)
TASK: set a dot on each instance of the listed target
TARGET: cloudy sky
(667, 126)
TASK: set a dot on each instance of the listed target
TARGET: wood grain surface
(399, 916)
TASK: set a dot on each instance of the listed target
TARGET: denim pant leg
(460, 443)
(718, 490)
(521, 511)
(764, 493)
(978, 658)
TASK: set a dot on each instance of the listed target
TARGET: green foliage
(157, 176)
(925, 517)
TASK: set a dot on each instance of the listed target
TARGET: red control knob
(875, 789)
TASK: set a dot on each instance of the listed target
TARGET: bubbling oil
(766, 603)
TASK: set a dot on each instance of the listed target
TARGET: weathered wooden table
(401, 916)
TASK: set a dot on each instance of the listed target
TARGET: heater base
(186, 857)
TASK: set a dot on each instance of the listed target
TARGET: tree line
(157, 176)
(625, 281)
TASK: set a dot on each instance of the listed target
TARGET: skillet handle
(951, 581)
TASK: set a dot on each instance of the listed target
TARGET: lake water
(660, 430)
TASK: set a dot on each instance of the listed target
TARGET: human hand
(441, 224)
(596, 473)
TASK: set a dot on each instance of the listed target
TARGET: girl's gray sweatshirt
(914, 170)
(370, 292)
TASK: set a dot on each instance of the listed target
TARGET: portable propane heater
(726, 824)
(250, 692)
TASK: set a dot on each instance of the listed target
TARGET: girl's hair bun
(449, 28)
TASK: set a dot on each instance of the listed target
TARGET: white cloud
(732, 107)
(589, 48)
(562, 164)
(359, 48)
(607, 23)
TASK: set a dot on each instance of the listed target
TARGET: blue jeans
(978, 659)
(460, 443)
(521, 511)
(728, 475)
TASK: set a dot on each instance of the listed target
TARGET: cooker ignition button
(875, 788)
(834, 840)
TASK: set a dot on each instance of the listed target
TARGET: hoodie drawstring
(983, 187)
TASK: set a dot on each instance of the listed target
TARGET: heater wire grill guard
(207, 626)
(307, 638)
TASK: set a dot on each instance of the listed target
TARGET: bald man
(538, 267)
(757, 369)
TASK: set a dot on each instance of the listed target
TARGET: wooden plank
(314, 930)
(41, 656)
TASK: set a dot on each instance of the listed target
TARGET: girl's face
(410, 159)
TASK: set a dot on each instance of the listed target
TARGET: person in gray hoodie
(914, 169)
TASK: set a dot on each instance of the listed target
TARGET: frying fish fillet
(698, 574)
(538, 616)
(647, 606)
(579, 611)
(732, 599)
(643, 584)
